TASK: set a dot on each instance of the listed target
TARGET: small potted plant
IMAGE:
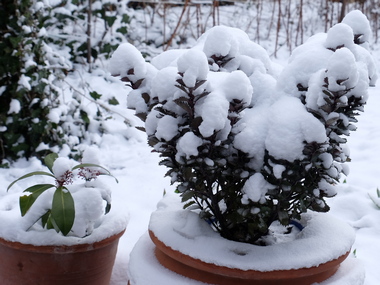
(247, 159)
(63, 236)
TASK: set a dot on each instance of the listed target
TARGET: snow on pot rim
(323, 239)
(145, 269)
(111, 225)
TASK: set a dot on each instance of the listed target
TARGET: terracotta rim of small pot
(210, 273)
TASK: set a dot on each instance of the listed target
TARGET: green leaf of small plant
(45, 219)
(27, 201)
(63, 210)
(49, 160)
(30, 175)
(51, 224)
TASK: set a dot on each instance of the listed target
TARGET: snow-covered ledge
(323, 239)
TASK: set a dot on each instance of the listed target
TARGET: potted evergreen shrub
(247, 158)
(63, 235)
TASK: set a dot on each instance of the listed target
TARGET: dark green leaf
(95, 95)
(187, 195)
(27, 201)
(94, 53)
(122, 30)
(84, 117)
(44, 218)
(125, 19)
(110, 20)
(29, 175)
(113, 101)
(63, 210)
(49, 160)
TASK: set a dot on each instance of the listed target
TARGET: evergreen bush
(41, 46)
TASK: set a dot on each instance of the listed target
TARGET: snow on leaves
(245, 147)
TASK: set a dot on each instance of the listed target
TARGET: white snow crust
(90, 224)
(145, 269)
(14, 106)
(184, 231)
(15, 228)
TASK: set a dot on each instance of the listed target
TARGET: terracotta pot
(214, 274)
(82, 264)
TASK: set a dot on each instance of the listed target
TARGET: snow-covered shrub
(30, 73)
(242, 152)
(88, 30)
(336, 95)
(314, 54)
(43, 105)
(360, 26)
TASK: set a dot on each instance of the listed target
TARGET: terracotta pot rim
(82, 247)
(240, 273)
